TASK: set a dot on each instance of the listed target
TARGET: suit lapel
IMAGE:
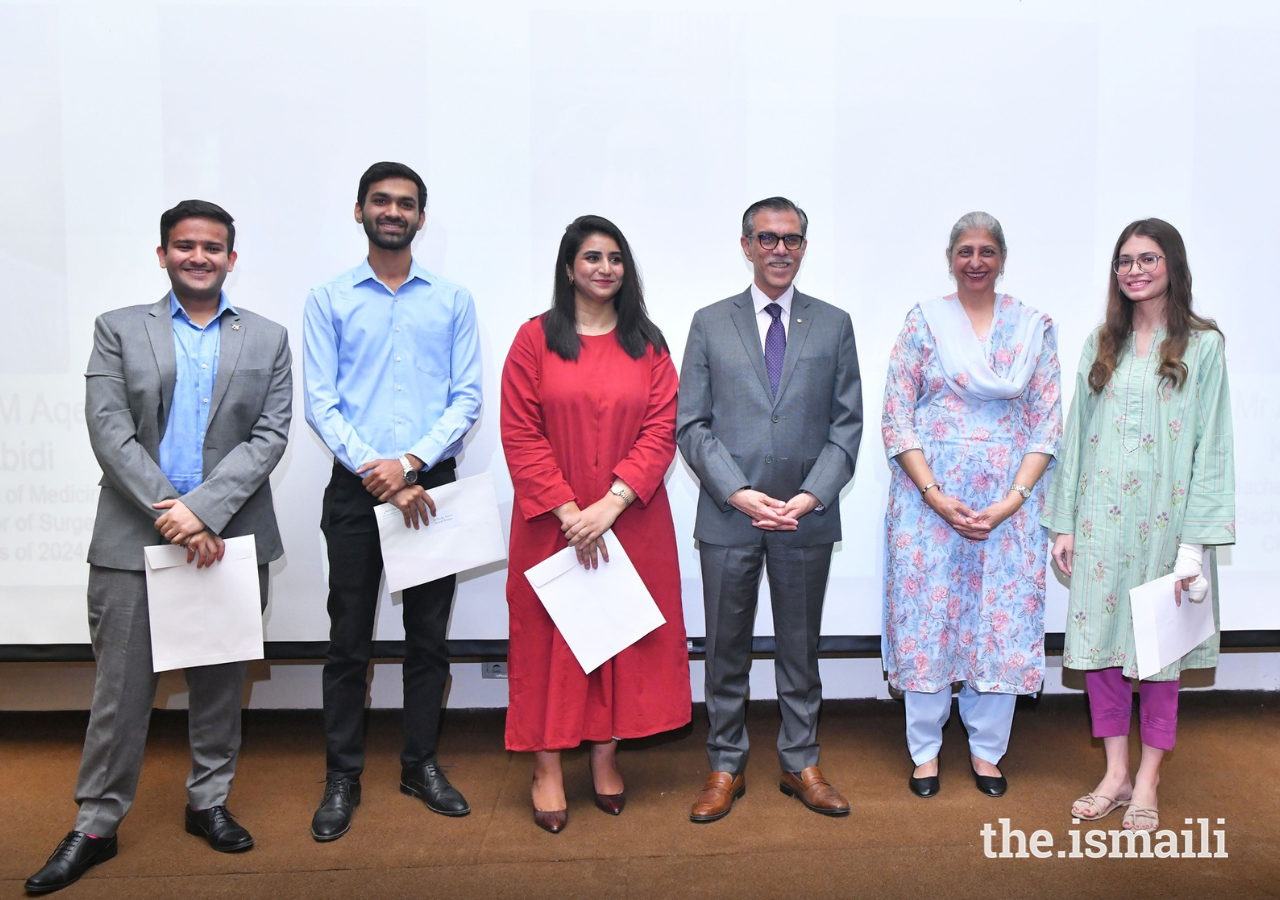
(744, 317)
(231, 339)
(160, 331)
(797, 332)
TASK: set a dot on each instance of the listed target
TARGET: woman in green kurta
(1145, 479)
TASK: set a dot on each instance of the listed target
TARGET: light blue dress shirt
(389, 373)
(195, 351)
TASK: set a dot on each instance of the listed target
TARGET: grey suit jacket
(734, 434)
(129, 389)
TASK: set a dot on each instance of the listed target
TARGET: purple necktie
(775, 346)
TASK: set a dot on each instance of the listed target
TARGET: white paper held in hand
(1164, 631)
(205, 616)
(600, 612)
(465, 533)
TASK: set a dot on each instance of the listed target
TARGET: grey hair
(978, 219)
(777, 204)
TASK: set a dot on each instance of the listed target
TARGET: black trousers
(355, 574)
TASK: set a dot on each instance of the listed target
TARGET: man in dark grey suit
(770, 417)
(188, 405)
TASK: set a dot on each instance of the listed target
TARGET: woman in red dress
(588, 428)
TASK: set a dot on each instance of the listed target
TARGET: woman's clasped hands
(975, 526)
(584, 528)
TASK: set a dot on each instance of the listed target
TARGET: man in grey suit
(769, 419)
(188, 405)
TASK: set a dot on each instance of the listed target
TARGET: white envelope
(203, 617)
(465, 532)
(600, 612)
(1164, 631)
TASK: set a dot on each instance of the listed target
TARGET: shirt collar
(760, 299)
(175, 308)
(364, 272)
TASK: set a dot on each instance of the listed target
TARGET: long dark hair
(1180, 320)
(635, 331)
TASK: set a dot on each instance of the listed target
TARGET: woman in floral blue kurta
(967, 608)
(955, 609)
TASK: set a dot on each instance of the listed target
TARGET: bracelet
(932, 484)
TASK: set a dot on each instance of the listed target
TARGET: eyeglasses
(1147, 262)
(768, 240)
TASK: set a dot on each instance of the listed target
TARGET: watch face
(410, 476)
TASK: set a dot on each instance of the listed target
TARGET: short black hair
(381, 171)
(196, 209)
(777, 204)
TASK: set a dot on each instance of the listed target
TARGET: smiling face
(597, 270)
(777, 267)
(196, 259)
(1140, 286)
(390, 213)
(976, 261)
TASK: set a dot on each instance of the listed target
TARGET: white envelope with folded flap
(465, 533)
(600, 612)
(1165, 631)
(206, 616)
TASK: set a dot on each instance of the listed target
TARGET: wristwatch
(620, 491)
(1025, 492)
(932, 484)
(410, 473)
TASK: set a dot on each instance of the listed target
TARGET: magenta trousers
(1111, 706)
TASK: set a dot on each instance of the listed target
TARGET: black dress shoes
(427, 782)
(991, 785)
(74, 856)
(333, 819)
(925, 787)
(216, 826)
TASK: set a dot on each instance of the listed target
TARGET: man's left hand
(382, 478)
(800, 505)
(207, 547)
(177, 524)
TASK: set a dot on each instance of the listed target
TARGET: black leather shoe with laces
(428, 783)
(219, 828)
(333, 819)
(70, 860)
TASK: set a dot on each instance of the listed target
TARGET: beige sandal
(1100, 807)
(1141, 818)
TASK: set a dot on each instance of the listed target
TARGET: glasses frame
(786, 240)
(1116, 264)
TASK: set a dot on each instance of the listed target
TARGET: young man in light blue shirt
(392, 372)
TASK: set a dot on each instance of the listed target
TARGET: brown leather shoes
(812, 789)
(717, 796)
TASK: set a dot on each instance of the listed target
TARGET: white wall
(885, 121)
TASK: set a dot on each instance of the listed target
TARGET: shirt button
(204, 365)
(397, 359)
(397, 328)
(397, 387)
(206, 399)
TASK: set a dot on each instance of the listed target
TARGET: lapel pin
(798, 321)
(235, 327)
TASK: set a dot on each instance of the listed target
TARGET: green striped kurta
(1142, 467)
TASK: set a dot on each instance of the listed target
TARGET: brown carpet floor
(893, 845)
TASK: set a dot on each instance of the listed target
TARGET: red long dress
(568, 428)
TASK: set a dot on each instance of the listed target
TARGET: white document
(1164, 631)
(203, 617)
(465, 532)
(600, 612)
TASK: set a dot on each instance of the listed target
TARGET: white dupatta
(964, 358)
